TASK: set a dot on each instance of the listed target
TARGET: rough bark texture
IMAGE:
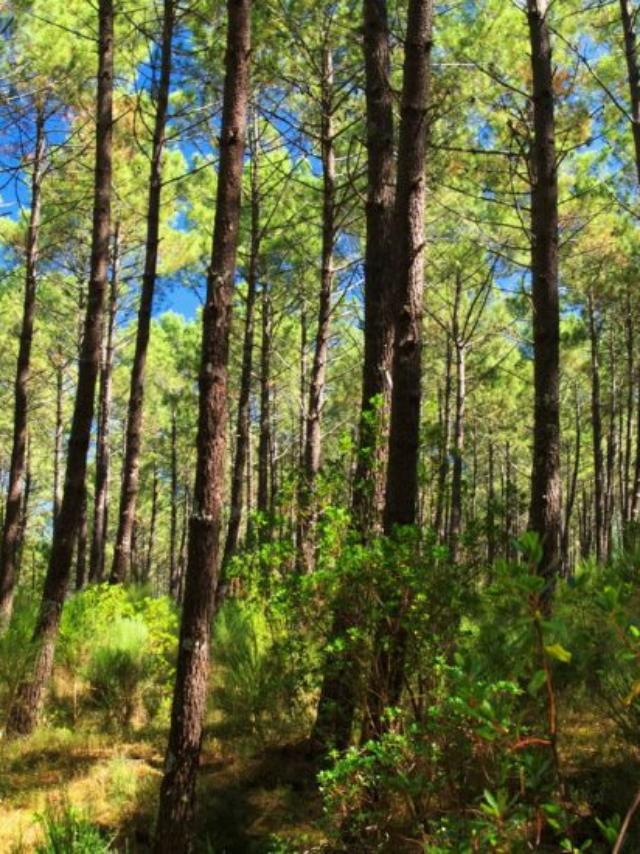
(103, 452)
(29, 697)
(340, 687)
(9, 547)
(131, 466)
(81, 545)
(177, 794)
(313, 438)
(242, 426)
(545, 516)
(368, 494)
(402, 472)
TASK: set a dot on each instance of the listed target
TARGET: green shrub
(258, 692)
(16, 649)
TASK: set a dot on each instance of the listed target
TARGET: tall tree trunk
(29, 697)
(402, 472)
(459, 347)
(368, 495)
(148, 568)
(313, 438)
(103, 452)
(455, 520)
(339, 693)
(131, 467)
(491, 509)
(596, 429)
(9, 547)
(612, 453)
(445, 430)
(57, 445)
(242, 428)
(264, 441)
(545, 516)
(174, 566)
(571, 496)
(177, 794)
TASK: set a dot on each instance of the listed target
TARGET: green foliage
(258, 691)
(15, 648)
(68, 831)
(118, 670)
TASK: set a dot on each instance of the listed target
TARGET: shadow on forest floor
(246, 804)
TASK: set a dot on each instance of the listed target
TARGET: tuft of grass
(67, 830)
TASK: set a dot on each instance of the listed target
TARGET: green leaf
(557, 651)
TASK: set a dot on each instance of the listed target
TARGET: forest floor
(246, 802)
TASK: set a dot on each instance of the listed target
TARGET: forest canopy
(319, 425)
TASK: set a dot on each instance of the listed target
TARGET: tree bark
(339, 693)
(148, 567)
(131, 468)
(174, 566)
(459, 349)
(313, 438)
(242, 427)
(368, 494)
(596, 429)
(27, 703)
(81, 545)
(571, 496)
(177, 794)
(9, 547)
(57, 445)
(628, 17)
(402, 471)
(264, 441)
(545, 517)
(103, 451)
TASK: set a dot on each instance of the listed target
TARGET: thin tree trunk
(103, 452)
(612, 453)
(571, 496)
(9, 547)
(545, 516)
(29, 697)
(445, 430)
(338, 696)
(491, 504)
(596, 429)
(313, 438)
(177, 793)
(174, 568)
(264, 441)
(152, 527)
(131, 468)
(242, 428)
(459, 346)
(57, 446)
(402, 471)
